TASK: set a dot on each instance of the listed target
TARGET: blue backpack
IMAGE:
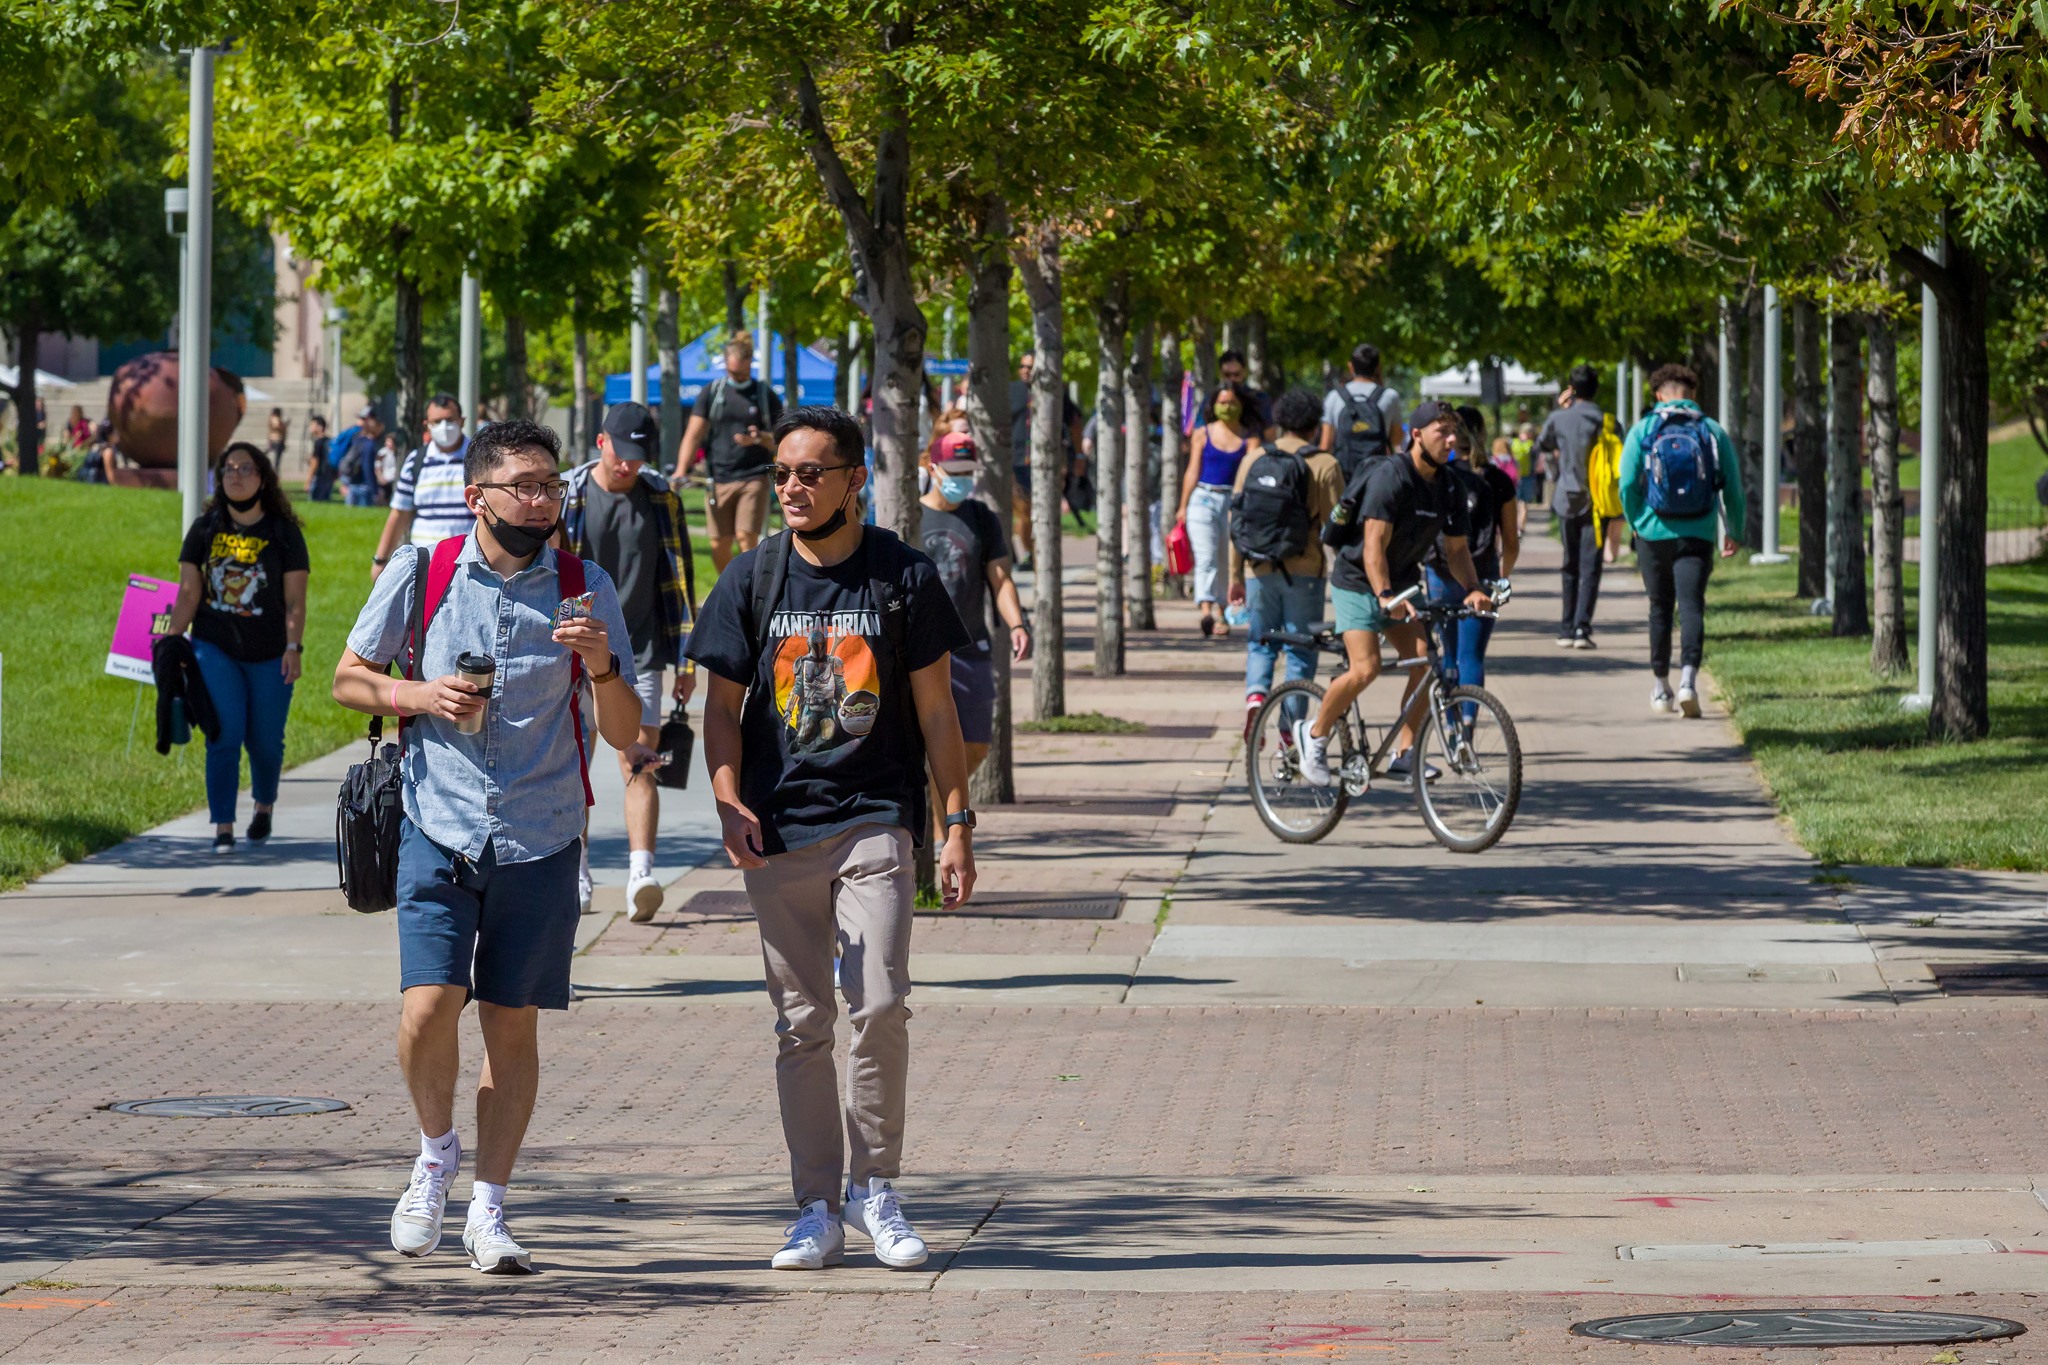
(1679, 465)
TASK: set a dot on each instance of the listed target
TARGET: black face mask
(832, 523)
(521, 542)
(244, 504)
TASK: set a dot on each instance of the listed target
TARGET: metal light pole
(1774, 408)
(195, 306)
(469, 365)
(1621, 394)
(1930, 489)
(639, 336)
(1724, 395)
(336, 316)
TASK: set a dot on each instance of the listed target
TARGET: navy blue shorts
(504, 934)
(974, 697)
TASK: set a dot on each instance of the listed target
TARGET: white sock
(856, 1191)
(446, 1149)
(484, 1195)
(641, 862)
(1660, 685)
(1689, 676)
(583, 863)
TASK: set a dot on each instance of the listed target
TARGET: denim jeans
(1272, 603)
(252, 700)
(1463, 642)
(1209, 529)
(1675, 573)
(358, 495)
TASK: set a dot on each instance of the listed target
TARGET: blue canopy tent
(700, 363)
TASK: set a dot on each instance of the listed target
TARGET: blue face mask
(956, 487)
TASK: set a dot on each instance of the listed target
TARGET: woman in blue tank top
(1213, 456)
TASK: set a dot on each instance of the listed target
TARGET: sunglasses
(809, 475)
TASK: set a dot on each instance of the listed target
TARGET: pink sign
(145, 612)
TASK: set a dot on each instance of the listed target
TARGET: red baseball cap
(957, 453)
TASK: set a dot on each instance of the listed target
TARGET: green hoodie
(1635, 490)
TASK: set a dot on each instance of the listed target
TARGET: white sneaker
(1661, 702)
(1315, 755)
(416, 1222)
(816, 1240)
(643, 895)
(879, 1218)
(584, 891)
(1689, 702)
(490, 1245)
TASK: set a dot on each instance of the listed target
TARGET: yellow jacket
(1603, 470)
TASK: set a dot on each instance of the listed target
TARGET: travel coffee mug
(477, 670)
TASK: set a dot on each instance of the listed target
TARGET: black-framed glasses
(534, 490)
(809, 475)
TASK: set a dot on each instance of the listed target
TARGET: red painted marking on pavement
(2026, 1251)
(31, 1305)
(335, 1334)
(1667, 1201)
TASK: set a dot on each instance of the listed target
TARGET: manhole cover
(229, 1107)
(1800, 1327)
(1143, 807)
(1991, 978)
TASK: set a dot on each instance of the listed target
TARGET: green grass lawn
(71, 783)
(2011, 469)
(1857, 776)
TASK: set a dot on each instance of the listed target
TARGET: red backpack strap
(569, 571)
(440, 573)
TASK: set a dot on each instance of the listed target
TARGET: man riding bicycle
(1391, 515)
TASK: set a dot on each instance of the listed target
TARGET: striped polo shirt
(431, 489)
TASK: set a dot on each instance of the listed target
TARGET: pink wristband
(396, 709)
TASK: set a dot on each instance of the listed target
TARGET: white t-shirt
(1390, 405)
(431, 489)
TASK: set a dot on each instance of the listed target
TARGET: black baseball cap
(1430, 410)
(634, 432)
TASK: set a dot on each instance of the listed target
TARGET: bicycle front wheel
(1296, 810)
(1469, 739)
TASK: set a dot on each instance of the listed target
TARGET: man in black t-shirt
(730, 422)
(1391, 516)
(828, 650)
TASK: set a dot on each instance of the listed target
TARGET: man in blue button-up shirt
(493, 819)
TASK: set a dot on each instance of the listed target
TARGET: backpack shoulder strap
(771, 572)
(433, 572)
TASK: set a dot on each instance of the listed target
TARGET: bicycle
(1465, 769)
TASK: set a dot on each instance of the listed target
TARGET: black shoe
(1208, 626)
(259, 826)
(224, 842)
(1583, 640)
(1564, 639)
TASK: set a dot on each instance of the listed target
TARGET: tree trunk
(878, 244)
(1258, 357)
(792, 386)
(581, 435)
(28, 428)
(735, 300)
(668, 355)
(1848, 582)
(987, 261)
(1170, 443)
(1888, 504)
(1753, 419)
(411, 361)
(1038, 261)
(1207, 371)
(1141, 480)
(1235, 331)
(1112, 333)
(1809, 448)
(1962, 708)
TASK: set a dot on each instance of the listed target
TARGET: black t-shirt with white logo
(824, 742)
(241, 582)
(1419, 510)
(961, 544)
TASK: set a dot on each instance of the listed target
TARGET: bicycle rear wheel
(1472, 800)
(1295, 810)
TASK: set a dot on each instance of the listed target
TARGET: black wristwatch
(959, 818)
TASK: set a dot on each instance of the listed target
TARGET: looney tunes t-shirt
(241, 578)
(825, 741)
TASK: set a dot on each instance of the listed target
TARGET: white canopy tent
(45, 381)
(1464, 383)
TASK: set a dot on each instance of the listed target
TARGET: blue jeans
(358, 495)
(252, 700)
(1463, 642)
(1272, 603)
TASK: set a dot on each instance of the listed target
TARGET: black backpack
(892, 604)
(1269, 518)
(371, 803)
(1362, 431)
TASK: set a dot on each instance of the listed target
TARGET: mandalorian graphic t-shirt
(825, 741)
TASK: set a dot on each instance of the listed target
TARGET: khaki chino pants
(854, 888)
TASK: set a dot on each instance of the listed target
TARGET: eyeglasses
(231, 471)
(534, 490)
(809, 475)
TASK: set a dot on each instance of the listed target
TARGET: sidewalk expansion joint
(979, 1224)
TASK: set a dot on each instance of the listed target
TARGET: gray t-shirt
(1390, 406)
(624, 539)
(1570, 433)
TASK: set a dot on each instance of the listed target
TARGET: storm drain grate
(1800, 1327)
(1991, 978)
(1180, 731)
(228, 1107)
(1143, 807)
(1040, 905)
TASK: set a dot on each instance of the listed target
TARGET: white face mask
(447, 435)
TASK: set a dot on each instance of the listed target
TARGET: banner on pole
(145, 613)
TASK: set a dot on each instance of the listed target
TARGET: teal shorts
(1358, 611)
